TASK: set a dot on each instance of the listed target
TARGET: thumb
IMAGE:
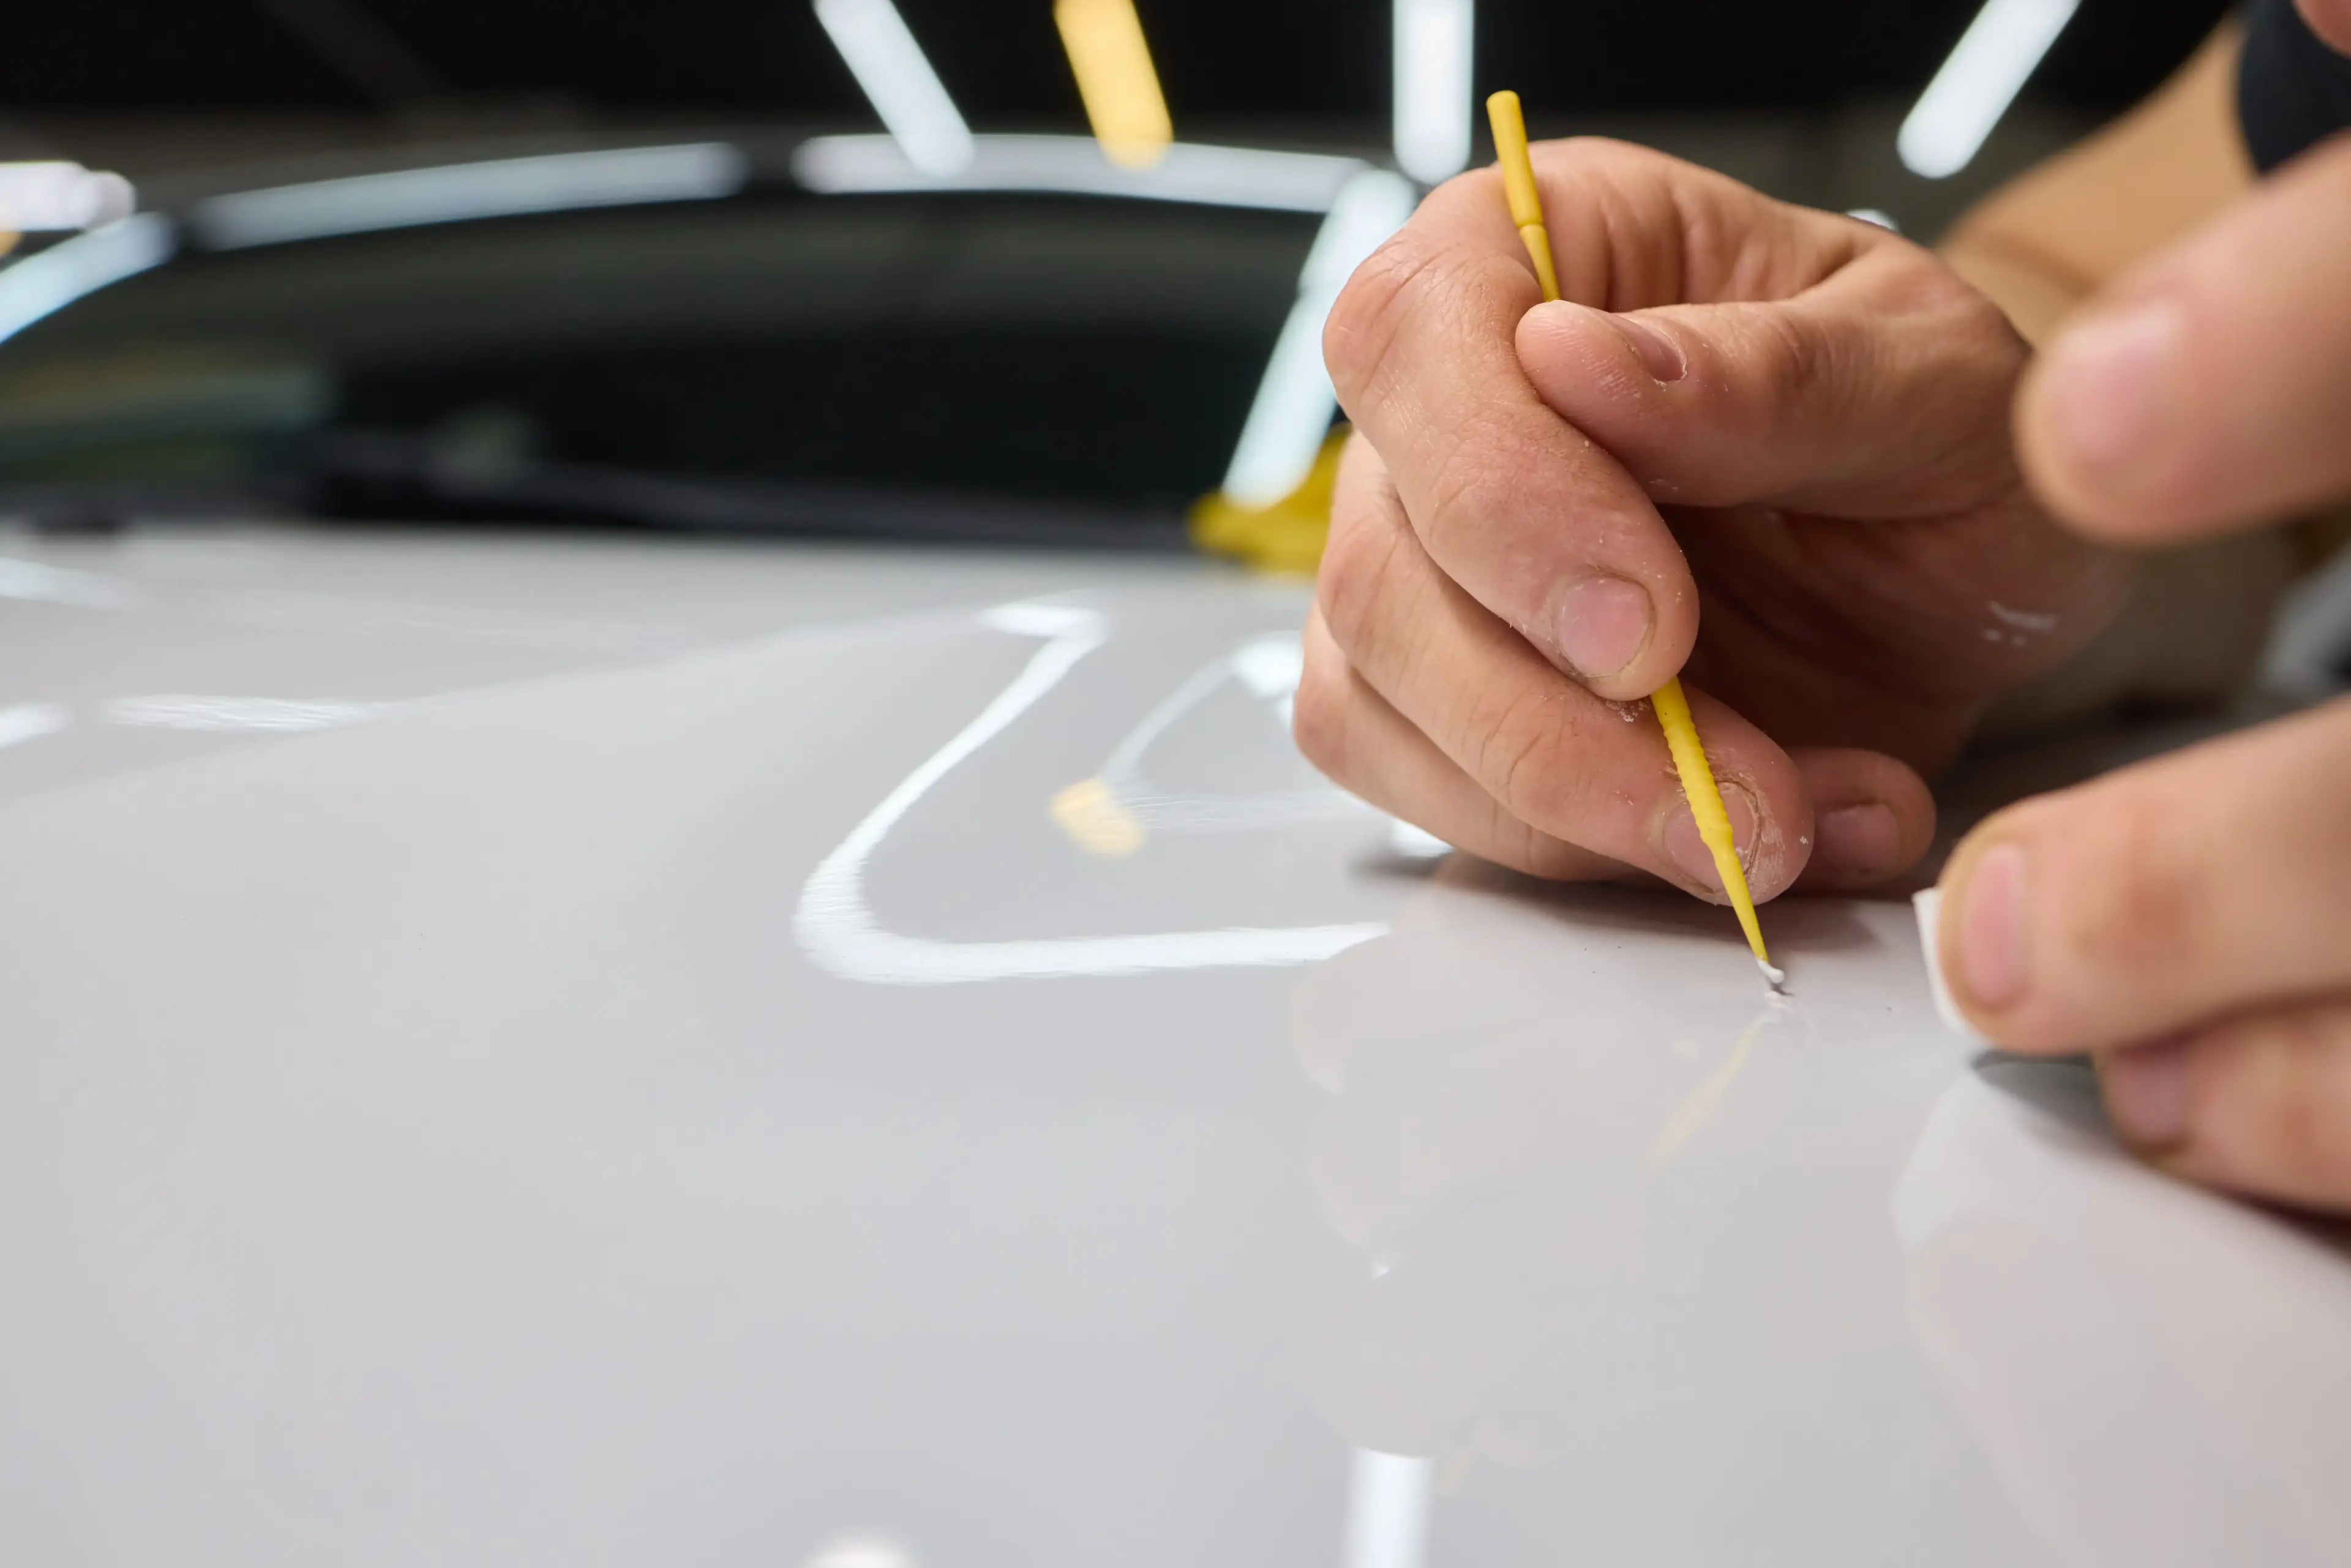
(2211, 390)
(1883, 389)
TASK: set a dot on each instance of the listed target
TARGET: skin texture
(2189, 919)
(1794, 419)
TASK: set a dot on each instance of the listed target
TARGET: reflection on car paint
(43, 285)
(1114, 812)
(837, 932)
(1692, 1112)
(1388, 1498)
(270, 715)
(41, 583)
(454, 193)
(2094, 1324)
(30, 721)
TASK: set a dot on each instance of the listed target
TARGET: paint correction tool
(1672, 707)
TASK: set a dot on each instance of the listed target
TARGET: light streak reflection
(1433, 94)
(1191, 172)
(1986, 71)
(457, 192)
(1291, 415)
(897, 80)
(837, 929)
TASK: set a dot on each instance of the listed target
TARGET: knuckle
(1516, 750)
(1553, 860)
(1360, 335)
(1477, 478)
(1803, 362)
(1317, 720)
(2284, 1081)
(1353, 583)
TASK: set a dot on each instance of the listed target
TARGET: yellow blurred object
(1116, 79)
(1286, 536)
(8, 237)
(1097, 822)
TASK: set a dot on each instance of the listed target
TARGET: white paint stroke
(838, 930)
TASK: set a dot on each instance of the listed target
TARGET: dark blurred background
(1801, 97)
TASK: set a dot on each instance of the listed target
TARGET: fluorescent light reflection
(1883, 220)
(43, 283)
(1388, 1510)
(1987, 69)
(1291, 412)
(1214, 176)
(836, 928)
(1113, 812)
(42, 583)
(274, 716)
(1414, 843)
(897, 80)
(505, 187)
(1112, 60)
(862, 1551)
(51, 195)
(1434, 42)
(30, 722)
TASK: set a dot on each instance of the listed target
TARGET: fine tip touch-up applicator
(1672, 707)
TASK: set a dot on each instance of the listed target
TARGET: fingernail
(1862, 840)
(1992, 928)
(1659, 354)
(1686, 849)
(2109, 381)
(1601, 624)
(2146, 1091)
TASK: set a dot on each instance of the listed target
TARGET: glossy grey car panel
(775, 1055)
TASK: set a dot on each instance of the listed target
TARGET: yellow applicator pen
(1509, 125)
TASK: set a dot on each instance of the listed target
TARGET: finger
(1882, 389)
(1540, 527)
(1367, 748)
(2210, 389)
(2331, 20)
(2260, 1104)
(1549, 752)
(2158, 897)
(1873, 817)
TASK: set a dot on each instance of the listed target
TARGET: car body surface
(523, 1046)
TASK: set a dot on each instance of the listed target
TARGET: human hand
(1795, 421)
(2189, 919)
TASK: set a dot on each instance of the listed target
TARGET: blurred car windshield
(918, 353)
